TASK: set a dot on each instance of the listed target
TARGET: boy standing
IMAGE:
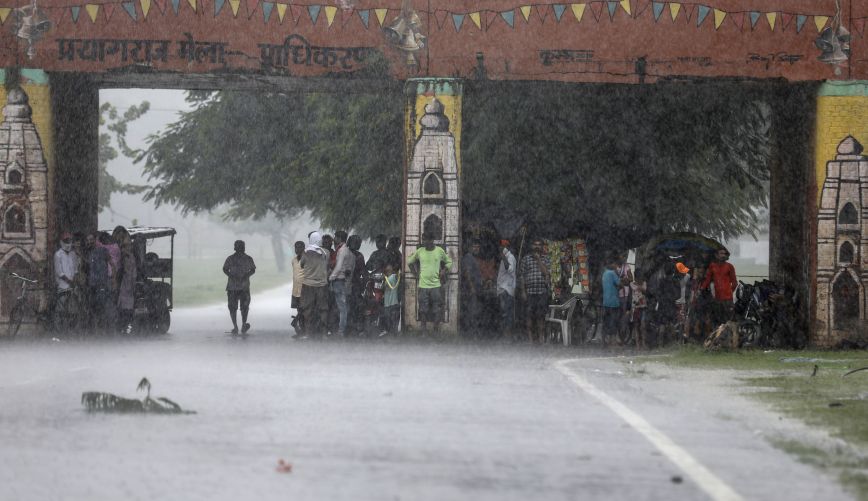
(391, 300)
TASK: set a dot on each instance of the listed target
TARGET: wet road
(370, 420)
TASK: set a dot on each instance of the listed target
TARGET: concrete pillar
(432, 192)
(75, 102)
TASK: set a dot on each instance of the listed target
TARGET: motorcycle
(766, 314)
(373, 296)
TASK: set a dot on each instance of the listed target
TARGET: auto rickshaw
(153, 294)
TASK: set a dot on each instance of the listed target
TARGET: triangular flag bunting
(800, 23)
(786, 19)
(92, 11)
(176, 6)
(578, 10)
(772, 17)
(313, 11)
(474, 16)
(4, 13)
(596, 10)
(75, 12)
(625, 4)
(281, 12)
(192, 4)
(673, 10)
(543, 12)
(719, 16)
(161, 5)
(146, 7)
(364, 15)
(703, 13)
(440, 16)
(737, 19)
(611, 6)
(130, 7)
(457, 20)
(689, 11)
(234, 4)
(381, 15)
(559, 11)
(330, 11)
(108, 9)
(267, 7)
(754, 17)
(509, 17)
(657, 9)
(218, 6)
(525, 11)
(859, 26)
(820, 22)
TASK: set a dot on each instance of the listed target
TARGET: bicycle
(16, 314)
(587, 320)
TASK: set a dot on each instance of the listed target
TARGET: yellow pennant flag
(4, 13)
(474, 16)
(281, 11)
(578, 10)
(820, 21)
(234, 4)
(92, 11)
(673, 10)
(719, 16)
(146, 7)
(625, 4)
(330, 11)
(192, 4)
(381, 15)
(771, 17)
(525, 11)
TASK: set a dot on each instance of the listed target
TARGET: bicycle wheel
(15, 318)
(588, 322)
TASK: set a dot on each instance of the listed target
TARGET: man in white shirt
(340, 279)
(506, 287)
(66, 264)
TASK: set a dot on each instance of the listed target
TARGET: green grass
(201, 281)
(784, 381)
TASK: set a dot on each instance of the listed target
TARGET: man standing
(430, 259)
(506, 288)
(340, 279)
(314, 286)
(380, 257)
(471, 285)
(611, 301)
(98, 281)
(722, 274)
(535, 282)
(360, 276)
(66, 265)
(239, 267)
(297, 278)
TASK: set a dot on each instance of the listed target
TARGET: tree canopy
(618, 163)
(116, 126)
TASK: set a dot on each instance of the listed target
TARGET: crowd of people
(95, 277)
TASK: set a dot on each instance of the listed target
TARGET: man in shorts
(239, 267)
(431, 259)
(535, 283)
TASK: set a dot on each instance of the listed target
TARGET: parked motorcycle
(766, 314)
(373, 304)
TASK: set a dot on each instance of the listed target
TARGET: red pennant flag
(295, 12)
(688, 12)
(161, 4)
(251, 10)
(596, 10)
(543, 12)
(489, 18)
(347, 15)
(440, 18)
(56, 16)
(785, 20)
(858, 26)
(640, 7)
(108, 9)
(737, 19)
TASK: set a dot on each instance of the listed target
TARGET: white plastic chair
(562, 315)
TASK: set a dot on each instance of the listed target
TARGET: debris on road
(283, 466)
(95, 401)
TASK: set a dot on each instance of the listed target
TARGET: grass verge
(810, 386)
(201, 281)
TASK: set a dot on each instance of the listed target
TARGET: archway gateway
(75, 48)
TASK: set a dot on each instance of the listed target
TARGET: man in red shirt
(723, 275)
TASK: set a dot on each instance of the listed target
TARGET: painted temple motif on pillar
(23, 198)
(842, 245)
(432, 207)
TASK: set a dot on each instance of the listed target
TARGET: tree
(613, 163)
(116, 126)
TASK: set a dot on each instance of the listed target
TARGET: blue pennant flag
(754, 17)
(266, 10)
(657, 7)
(509, 17)
(313, 10)
(457, 20)
(75, 11)
(612, 6)
(218, 6)
(130, 7)
(703, 11)
(364, 15)
(559, 11)
(176, 5)
(800, 22)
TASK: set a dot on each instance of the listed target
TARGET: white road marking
(716, 488)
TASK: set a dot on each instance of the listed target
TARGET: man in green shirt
(430, 259)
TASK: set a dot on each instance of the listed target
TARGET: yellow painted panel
(452, 110)
(838, 117)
